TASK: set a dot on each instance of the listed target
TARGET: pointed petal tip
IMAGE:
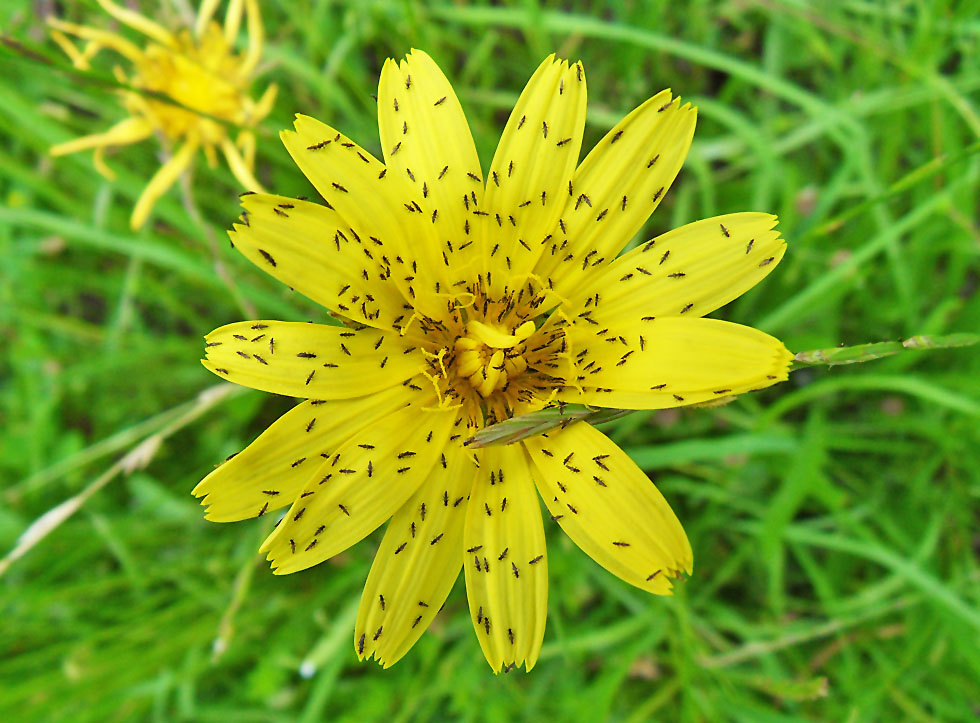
(550, 60)
(277, 566)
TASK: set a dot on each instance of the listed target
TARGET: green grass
(834, 518)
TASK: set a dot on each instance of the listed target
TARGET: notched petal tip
(211, 516)
(201, 489)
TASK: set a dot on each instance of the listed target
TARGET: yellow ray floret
(414, 96)
(616, 188)
(310, 360)
(376, 204)
(417, 563)
(272, 471)
(660, 362)
(505, 560)
(359, 487)
(532, 167)
(343, 269)
(610, 508)
(691, 270)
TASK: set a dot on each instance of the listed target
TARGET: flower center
(199, 76)
(494, 358)
(489, 355)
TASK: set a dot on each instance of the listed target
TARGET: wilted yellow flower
(196, 86)
(468, 302)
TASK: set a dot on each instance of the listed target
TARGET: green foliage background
(834, 518)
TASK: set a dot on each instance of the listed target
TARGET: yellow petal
(693, 269)
(78, 58)
(256, 38)
(362, 484)
(126, 131)
(210, 155)
(417, 563)
(163, 179)
(531, 170)
(101, 167)
(138, 22)
(241, 170)
(246, 142)
(427, 143)
(310, 361)
(373, 202)
(103, 37)
(619, 184)
(506, 560)
(273, 470)
(313, 250)
(204, 14)
(609, 507)
(653, 363)
(233, 21)
(264, 104)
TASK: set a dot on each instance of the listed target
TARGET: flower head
(187, 86)
(468, 299)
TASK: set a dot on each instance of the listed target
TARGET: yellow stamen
(498, 339)
(492, 373)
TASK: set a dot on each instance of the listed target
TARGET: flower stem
(868, 352)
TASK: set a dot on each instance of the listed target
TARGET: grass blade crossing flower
(467, 300)
(187, 86)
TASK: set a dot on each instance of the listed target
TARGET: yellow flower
(188, 87)
(468, 301)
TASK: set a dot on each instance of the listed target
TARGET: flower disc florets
(492, 360)
(197, 87)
